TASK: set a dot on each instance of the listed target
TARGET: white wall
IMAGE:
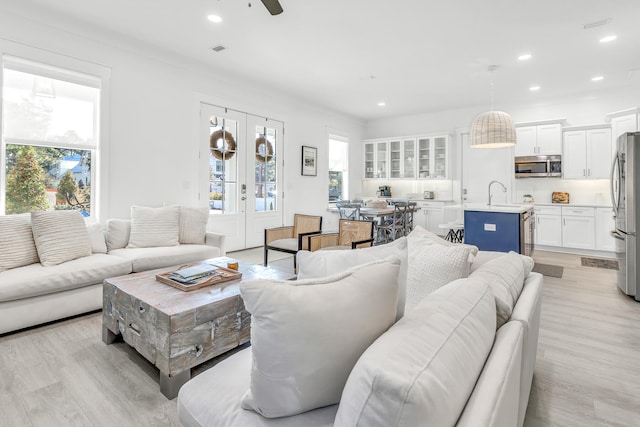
(152, 144)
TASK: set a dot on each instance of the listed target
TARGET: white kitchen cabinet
(376, 159)
(578, 227)
(586, 153)
(431, 215)
(622, 122)
(402, 158)
(539, 139)
(548, 225)
(605, 223)
(433, 156)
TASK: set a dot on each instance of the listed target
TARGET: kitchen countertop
(498, 207)
(574, 205)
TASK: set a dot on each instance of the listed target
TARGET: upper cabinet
(376, 159)
(433, 157)
(624, 121)
(402, 154)
(544, 138)
(424, 157)
(586, 152)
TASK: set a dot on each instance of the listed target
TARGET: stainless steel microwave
(538, 166)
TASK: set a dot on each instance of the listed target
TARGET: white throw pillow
(96, 235)
(118, 231)
(431, 266)
(421, 232)
(505, 276)
(60, 236)
(307, 335)
(153, 227)
(324, 263)
(17, 247)
(193, 224)
(424, 368)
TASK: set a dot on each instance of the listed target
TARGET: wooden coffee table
(177, 330)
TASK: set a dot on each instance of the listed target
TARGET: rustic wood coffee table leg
(169, 386)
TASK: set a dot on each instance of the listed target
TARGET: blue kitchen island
(500, 228)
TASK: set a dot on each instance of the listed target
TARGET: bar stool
(455, 233)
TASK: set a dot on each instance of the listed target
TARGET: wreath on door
(223, 151)
(264, 150)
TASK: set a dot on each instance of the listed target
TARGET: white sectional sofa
(463, 354)
(54, 268)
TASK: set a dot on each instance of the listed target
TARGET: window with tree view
(49, 139)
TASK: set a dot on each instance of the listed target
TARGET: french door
(242, 168)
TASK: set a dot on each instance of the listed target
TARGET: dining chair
(352, 234)
(290, 239)
(349, 210)
(392, 227)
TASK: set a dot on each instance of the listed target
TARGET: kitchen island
(501, 228)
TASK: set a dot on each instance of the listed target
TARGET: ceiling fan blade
(273, 6)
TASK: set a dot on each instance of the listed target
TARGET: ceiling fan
(273, 6)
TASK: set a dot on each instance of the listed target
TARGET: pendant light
(493, 129)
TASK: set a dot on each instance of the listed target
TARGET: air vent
(596, 24)
(218, 48)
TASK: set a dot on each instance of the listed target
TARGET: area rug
(549, 270)
(610, 264)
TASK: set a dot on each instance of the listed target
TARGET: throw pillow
(152, 227)
(505, 276)
(431, 266)
(193, 225)
(96, 236)
(17, 247)
(307, 335)
(418, 231)
(118, 231)
(60, 236)
(423, 369)
(325, 263)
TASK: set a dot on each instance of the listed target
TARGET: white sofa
(33, 293)
(437, 392)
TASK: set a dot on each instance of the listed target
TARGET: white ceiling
(416, 55)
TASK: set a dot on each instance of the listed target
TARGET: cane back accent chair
(290, 239)
(351, 235)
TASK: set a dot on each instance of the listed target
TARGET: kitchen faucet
(504, 189)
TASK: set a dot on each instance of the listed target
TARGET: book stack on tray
(191, 277)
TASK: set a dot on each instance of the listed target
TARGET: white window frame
(342, 138)
(37, 61)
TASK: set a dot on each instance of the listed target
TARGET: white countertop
(574, 205)
(498, 207)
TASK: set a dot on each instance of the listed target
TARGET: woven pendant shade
(493, 129)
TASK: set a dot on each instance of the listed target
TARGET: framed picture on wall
(309, 161)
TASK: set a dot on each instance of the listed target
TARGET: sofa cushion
(17, 247)
(60, 236)
(143, 259)
(35, 279)
(307, 335)
(421, 232)
(96, 236)
(424, 368)
(153, 227)
(200, 402)
(118, 231)
(324, 263)
(431, 266)
(193, 224)
(505, 275)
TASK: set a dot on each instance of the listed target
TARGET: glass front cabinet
(423, 157)
(376, 159)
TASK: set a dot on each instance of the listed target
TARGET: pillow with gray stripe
(17, 247)
(60, 236)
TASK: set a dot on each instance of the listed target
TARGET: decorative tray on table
(195, 276)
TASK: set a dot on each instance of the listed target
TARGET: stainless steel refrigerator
(624, 186)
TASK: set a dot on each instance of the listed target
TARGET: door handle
(243, 198)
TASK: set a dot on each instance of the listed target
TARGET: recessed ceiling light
(534, 88)
(381, 104)
(597, 78)
(214, 18)
(608, 39)
(524, 57)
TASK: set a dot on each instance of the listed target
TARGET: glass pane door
(223, 162)
(424, 153)
(409, 148)
(265, 169)
(395, 155)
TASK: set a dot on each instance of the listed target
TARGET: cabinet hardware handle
(584, 173)
(589, 172)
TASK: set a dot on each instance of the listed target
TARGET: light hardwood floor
(587, 373)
